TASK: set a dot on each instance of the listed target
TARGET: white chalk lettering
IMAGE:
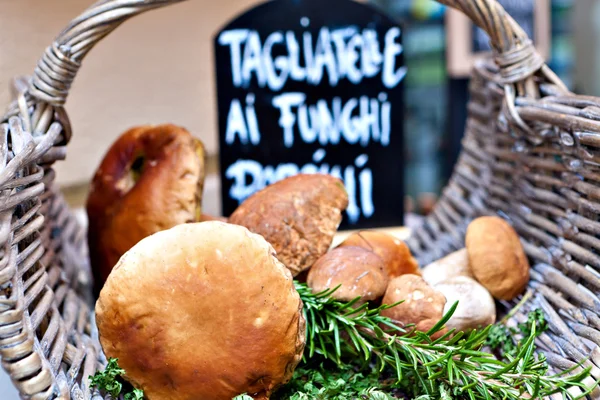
(274, 80)
(344, 53)
(365, 179)
(339, 37)
(349, 125)
(297, 73)
(369, 126)
(251, 120)
(372, 57)
(246, 129)
(350, 184)
(386, 115)
(324, 58)
(252, 61)
(309, 126)
(285, 102)
(234, 39)
(391, 77)
(329, 130)
(250, 176)
(236, 124)
(239, 171)
(352, 56)
(359, 120)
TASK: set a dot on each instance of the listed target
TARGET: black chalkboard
(522, 11)
(313, 86)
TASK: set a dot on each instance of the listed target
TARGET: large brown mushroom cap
(395, 253)
(202, 311)
(360, 272)
(423, 306)
(298, 215)
(497, 257)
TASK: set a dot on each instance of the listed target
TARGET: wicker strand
(519, 63)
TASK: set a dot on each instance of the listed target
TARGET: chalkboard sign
(467, 42)
(313, 86)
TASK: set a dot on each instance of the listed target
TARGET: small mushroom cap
(476, 307)
(423, 306)
(496, 257)
(298, 215)
(360, 272)
(395, 253)
(454, 264)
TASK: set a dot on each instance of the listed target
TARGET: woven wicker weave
(530, 153)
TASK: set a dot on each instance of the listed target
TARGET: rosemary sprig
(110, 381)
(449, 367)
(503, 338)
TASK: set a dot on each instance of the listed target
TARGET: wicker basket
(530, 153)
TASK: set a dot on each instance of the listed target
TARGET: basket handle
(515, 53)
(56, 70)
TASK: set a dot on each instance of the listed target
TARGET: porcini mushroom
(496, 257)
(298, 215)
(422, 305)
(394, 252)
(476, 308)
(360, 272)
(454, 264)
(202, 311)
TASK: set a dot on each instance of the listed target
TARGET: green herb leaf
(110, 381)
(137, 394)
(107, 380)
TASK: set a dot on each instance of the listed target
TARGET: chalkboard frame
(460, 57)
